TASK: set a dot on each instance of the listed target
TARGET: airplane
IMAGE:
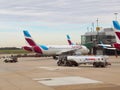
(116, 45)
(52, 50)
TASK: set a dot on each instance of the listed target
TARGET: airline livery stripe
(30, 41)
(44, 47)
(37, 49)
(26, 33)
(68, 37)
(116, 25)
(118, 34)
(70, 43)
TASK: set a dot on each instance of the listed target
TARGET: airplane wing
(111, 48)
(66, 51)
(105, 45)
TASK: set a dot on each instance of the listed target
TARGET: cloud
(60, 11)
(50, 16)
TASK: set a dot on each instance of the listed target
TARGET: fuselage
(58, 49)
(52, 49)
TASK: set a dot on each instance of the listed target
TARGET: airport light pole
(116, 16)
(93, 26)
(97, 39)
(97, 22)
(97, 29)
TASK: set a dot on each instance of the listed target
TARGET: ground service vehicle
(96, 61)
(10, 59)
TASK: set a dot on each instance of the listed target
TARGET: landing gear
(55, 57)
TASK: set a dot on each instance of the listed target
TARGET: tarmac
(42, 73)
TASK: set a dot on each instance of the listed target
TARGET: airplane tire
(59, 63)
(75, 64)
(54, 57)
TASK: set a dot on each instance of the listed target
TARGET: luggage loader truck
(96, 61)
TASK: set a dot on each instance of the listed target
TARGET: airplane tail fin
(69, 40)
(29, 39)
(33, 46)
(117, 31)
(117, 35)
(116, 25)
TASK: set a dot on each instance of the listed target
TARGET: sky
(48, 21)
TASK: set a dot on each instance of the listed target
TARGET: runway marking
(57, 81)
(58, 68)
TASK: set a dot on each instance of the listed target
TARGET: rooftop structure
(92, 39)
(106, 36)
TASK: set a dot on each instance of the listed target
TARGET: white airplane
(52, 50)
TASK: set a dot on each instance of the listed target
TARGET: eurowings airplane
(52, 50)
(116, 45)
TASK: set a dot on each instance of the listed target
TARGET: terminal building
(92, 39)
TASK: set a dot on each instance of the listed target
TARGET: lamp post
(97, 29)
(116, 16)
(97, 39)
(92, 26)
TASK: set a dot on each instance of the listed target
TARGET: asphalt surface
(31, 73)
